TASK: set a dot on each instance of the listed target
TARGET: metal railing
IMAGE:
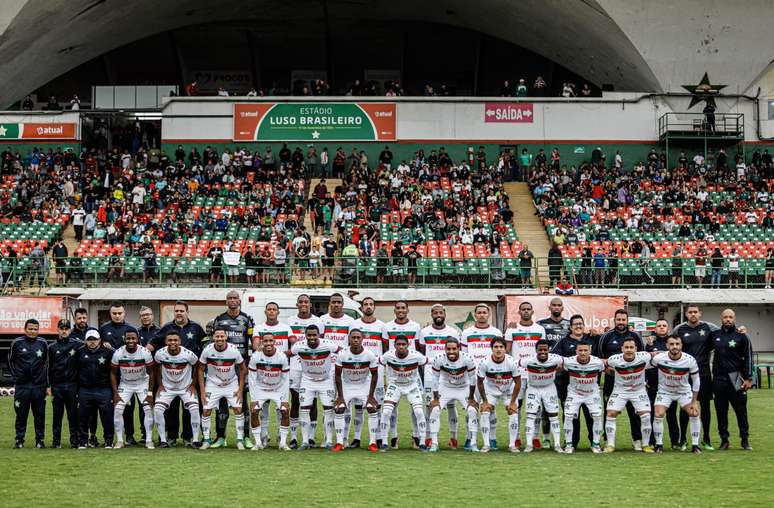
(492, 272)
(693, 124)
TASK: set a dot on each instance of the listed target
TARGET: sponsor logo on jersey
(674, 371)
(355, 365)
(312, 354)
(268, 367)
(403, 367)
(587, 374)
(632, 369)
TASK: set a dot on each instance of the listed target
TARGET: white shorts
(574, 401)
(126, 392)
(450, 396)
(250, 272)
(309, 390)
(665, 399)
(356, 394)
(166, 397)
(413, 393)
(544, 397)
(264, 396)
(639, 400)
(495, 398)
(295, 373)
(215, 393)
(700, 271)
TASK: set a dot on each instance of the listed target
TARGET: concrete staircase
(311, 282)
(529, 227)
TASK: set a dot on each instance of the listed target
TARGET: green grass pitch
(180, 477)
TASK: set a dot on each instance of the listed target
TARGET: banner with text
(597, 311)
(314, 122)
(15, 310)
(65, 131)
(508, 112)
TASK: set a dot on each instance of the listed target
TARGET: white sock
(339, 422)
(568, 419)
(256, 432)
(160, 422)
(196, 422)
(419, 417)
(435, 423)
(486, 429)
(328, 423)
(556, 430)
(610, 425)
(415, 423)
(358, 419)
(239, 421)
(695, 423)
(347, 421)
(513, 429)
(387, 412)
(312, 429)
(373, 427)
(293, 428)
(473, 426)
(394, 422)
(206, 427)
(493, 424)
(305, 424)
(148, 422)
(658, 430)
(283, 436)
(265, 421)
(529, 428)
(452, 410)
(646, 428)
(118, 422)
(596, 430)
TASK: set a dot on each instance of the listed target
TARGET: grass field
(139, 477)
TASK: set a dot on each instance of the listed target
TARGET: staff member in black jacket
(732, 372)
(94, 393)
(79, 333)
(27, 360)
(63, 381)
(610, 344)
(657, 343)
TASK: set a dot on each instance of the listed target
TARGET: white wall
(440, 119)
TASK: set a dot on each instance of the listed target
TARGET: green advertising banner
(314, 121)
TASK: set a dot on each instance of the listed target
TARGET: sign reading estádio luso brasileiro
(322, 121)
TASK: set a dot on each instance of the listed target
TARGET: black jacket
(62, 364)
(697, 343)
(651, 375)
(611, 343)
(78, 334)
(733, 352)
(28, 361)
(147, 334)
(191, 336)
(113, 333)
(94, 367)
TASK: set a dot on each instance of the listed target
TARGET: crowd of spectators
(607, 210)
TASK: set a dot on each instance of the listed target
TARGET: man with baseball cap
(94, 392)
(63, 383)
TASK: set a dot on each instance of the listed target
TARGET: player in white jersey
(453, 380)
(225, 379)
(432, 342)
(402, 369)
(134, 365)
(268, 373)
(499, 380)
(298, 324)
(629, 368)
(402, 326)
(317, 357)
(336, 324)
(356, 377)
(477, 342)
(282, 334)
(374, 340)
(674, 369)
(541, 369)
(583, 389)
(176, 365)
(521, 339)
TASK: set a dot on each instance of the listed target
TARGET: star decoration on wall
(704, 91)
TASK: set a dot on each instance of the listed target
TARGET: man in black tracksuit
(94, 392)
(657, 343)
(566, 347)
(28, 361)
(63, 382)
(695, 335)
(112, 333)
(192, 336)
(78, 332)
(610, 344)
(732, 371)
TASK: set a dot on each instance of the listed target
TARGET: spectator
(192, 89)
(507, 89)
(411, 264)
(28, 105)
(75, 103)
(555, 262)
(600, 265)
(717, 261)
(540, 87)
(563, 287)
(521, 90)
(525, 265)
(585, 90)
(733, 269)
(567, 91)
